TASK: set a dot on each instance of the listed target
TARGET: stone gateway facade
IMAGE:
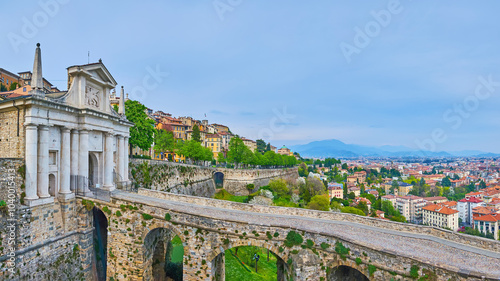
(54, 145)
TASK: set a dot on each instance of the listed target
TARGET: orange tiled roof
(440, 209)
(490, 218)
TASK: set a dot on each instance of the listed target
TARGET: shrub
(309, 243)
(118, 213)
(371, 269)
(358, 261)
(414, 271)
(341, 250)
(168, 217)
(88, 204)
(293, 238)
(325, 246)
(147, 216)
(276, 234)
(250, 186)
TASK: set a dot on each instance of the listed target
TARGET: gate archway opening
(163, 255)
(100, 237)
(346, 273)
(93, 170)
(219, 179)
(250, 263)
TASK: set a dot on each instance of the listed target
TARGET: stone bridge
(198, 180)
(335, 246)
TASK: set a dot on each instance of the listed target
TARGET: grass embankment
(177, 253)
(224, 195)
(267, 271)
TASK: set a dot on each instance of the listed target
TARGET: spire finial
(37, 77)
(121, 105)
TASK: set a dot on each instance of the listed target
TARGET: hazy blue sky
(243, 63)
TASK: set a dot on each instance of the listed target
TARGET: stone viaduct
(335, 245)
(58, 241)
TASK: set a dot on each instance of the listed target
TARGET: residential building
(252, 145)
(440, 216)
(391, 198)
(488, 224)
(465, 206)
(411, 207)
(404, 188)
(356, 190)
(435, 199)
(214, 142)
(7, 78)
(335, 190)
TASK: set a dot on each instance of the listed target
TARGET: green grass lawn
(177, 253)
(224, 195)
(267, 271)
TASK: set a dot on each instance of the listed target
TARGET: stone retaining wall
(198, 180)
(48, 242)
(475, 241)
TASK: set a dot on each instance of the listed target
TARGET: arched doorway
(345, 273)
(100, 239)
(52, 185)
(93, 170)
(249, 263)
(163, 255)
(219, 179)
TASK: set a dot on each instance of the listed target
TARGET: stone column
(64, 175)
(125, 165)
(108, 162)
(83, 163)
(120, 158)
(74, 159)
(43, 162)
(31, 162)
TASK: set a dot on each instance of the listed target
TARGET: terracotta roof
(490, 218)
(440, 209)
(471, 200)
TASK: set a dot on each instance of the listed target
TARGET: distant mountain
(339, 149)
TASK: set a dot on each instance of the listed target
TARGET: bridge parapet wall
(475, 241)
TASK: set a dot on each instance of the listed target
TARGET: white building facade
(73, 140)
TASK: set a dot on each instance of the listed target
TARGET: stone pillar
(31, 162)
(83, 163)
(120, 159)
(74, 159)
(218, 267)
(43, 162)
(108, 162)
(64, 175)
(125, 165)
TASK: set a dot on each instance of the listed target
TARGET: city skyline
(249, 64)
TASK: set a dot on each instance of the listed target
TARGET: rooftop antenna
(88, 57)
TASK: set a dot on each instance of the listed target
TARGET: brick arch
(237, 242)
(148, 254)
(363, 269)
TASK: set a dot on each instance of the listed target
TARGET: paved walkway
(425, 248)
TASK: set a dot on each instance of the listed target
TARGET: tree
(394, 187)
(319, 202)
(279, 187)
(236, 150)
(261, 146)
(115, 107)
(352, 210)
(141, 134)
(13, 86)
(482, 185)
(268, 147)
(344, 166)
(164, 141)
(221, 158)
(446, 181)
(195, 135)
(3, 88)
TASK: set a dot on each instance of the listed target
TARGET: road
(425, 248)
